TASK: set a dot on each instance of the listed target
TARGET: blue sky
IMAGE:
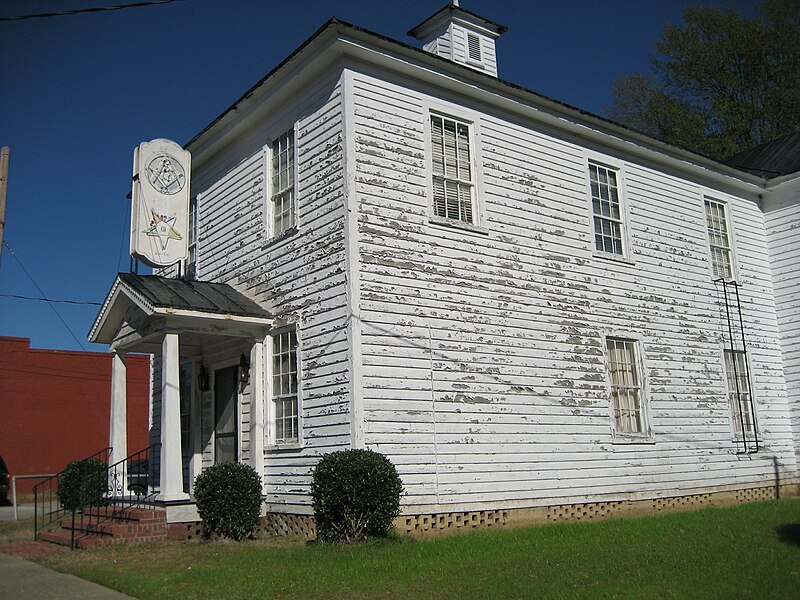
(79, 92)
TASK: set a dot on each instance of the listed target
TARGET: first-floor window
(739, 397)
(284, 387)
(626, 385)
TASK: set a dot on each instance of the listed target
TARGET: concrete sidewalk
(21, 578)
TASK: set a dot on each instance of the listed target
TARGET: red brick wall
(54, 406)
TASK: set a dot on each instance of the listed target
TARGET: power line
(77, 11)
(50, 304)
(51, 300)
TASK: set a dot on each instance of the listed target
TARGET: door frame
(219, 366)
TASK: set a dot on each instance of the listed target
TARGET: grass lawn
(747, 551)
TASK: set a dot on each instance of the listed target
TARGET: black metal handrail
(132, 481)
(46, 506)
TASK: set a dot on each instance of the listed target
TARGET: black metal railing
(131, 482)
(47, 507)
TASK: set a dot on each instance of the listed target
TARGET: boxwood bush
(228, 497)
(356, 495)
(83, 483)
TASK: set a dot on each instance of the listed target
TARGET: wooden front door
(225, 422)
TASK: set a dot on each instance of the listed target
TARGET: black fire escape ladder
(738, 346)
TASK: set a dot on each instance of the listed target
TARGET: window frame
(273, 441)
(618, 168)
(269, 185)
(463, 118)
(190, 267)
(645, 434)
(729, 234)
(730, 392)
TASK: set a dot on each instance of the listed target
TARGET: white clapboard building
(532, 311)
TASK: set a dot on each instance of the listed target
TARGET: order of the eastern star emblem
(165, 174)
(162, 227)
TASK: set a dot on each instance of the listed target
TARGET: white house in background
(531, 310)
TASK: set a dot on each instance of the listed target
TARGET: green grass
(749, 551)
(16, 531)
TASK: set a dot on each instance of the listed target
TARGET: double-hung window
(627, 391)
(191, 263)
(453, 177)
(283, 193)
(718, 239)
(609, 225)
(285, 397)
(739, 397)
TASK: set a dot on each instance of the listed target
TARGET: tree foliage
(721, 83)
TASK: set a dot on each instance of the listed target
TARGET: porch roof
(144, 306)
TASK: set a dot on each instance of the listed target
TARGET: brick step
(126, 514)
(109, 525)
(62, 537)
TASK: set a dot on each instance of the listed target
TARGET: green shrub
(83, 483)
(228, 497)
(356, 495)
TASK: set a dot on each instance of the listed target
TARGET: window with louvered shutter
(626, 385)
(452, 169)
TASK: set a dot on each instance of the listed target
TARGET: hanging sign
(160, 211)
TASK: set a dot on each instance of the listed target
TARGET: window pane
(626, 386)
(452, 169)
(285, 386)
(606, 208)
(282, 198)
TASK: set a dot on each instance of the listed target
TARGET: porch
(208, 365)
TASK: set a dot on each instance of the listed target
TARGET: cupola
(461, 36)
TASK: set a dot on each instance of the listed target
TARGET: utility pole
(4, 154)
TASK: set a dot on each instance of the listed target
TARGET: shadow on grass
(789, 533)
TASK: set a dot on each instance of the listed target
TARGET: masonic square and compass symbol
(165, 174)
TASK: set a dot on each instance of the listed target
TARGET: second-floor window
(718, 239)
(606, 209)
(453, 180)
(282, 193)
(191, 262)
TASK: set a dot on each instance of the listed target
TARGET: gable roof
(361, 43)
(199, 296)
(770, 159)
(158, 296)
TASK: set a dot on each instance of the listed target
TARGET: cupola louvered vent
(461, 36)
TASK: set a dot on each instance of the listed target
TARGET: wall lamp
(202, 378)
(244, 369)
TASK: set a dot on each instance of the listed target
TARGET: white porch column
(171, 467)
(257, 398)
(118, 425)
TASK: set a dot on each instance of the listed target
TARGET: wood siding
(782, 216)
(300, 276)
(484, 375)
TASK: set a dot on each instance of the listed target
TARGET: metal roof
(771, 159)
(201, 296)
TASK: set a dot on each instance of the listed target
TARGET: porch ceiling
(140, 309)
